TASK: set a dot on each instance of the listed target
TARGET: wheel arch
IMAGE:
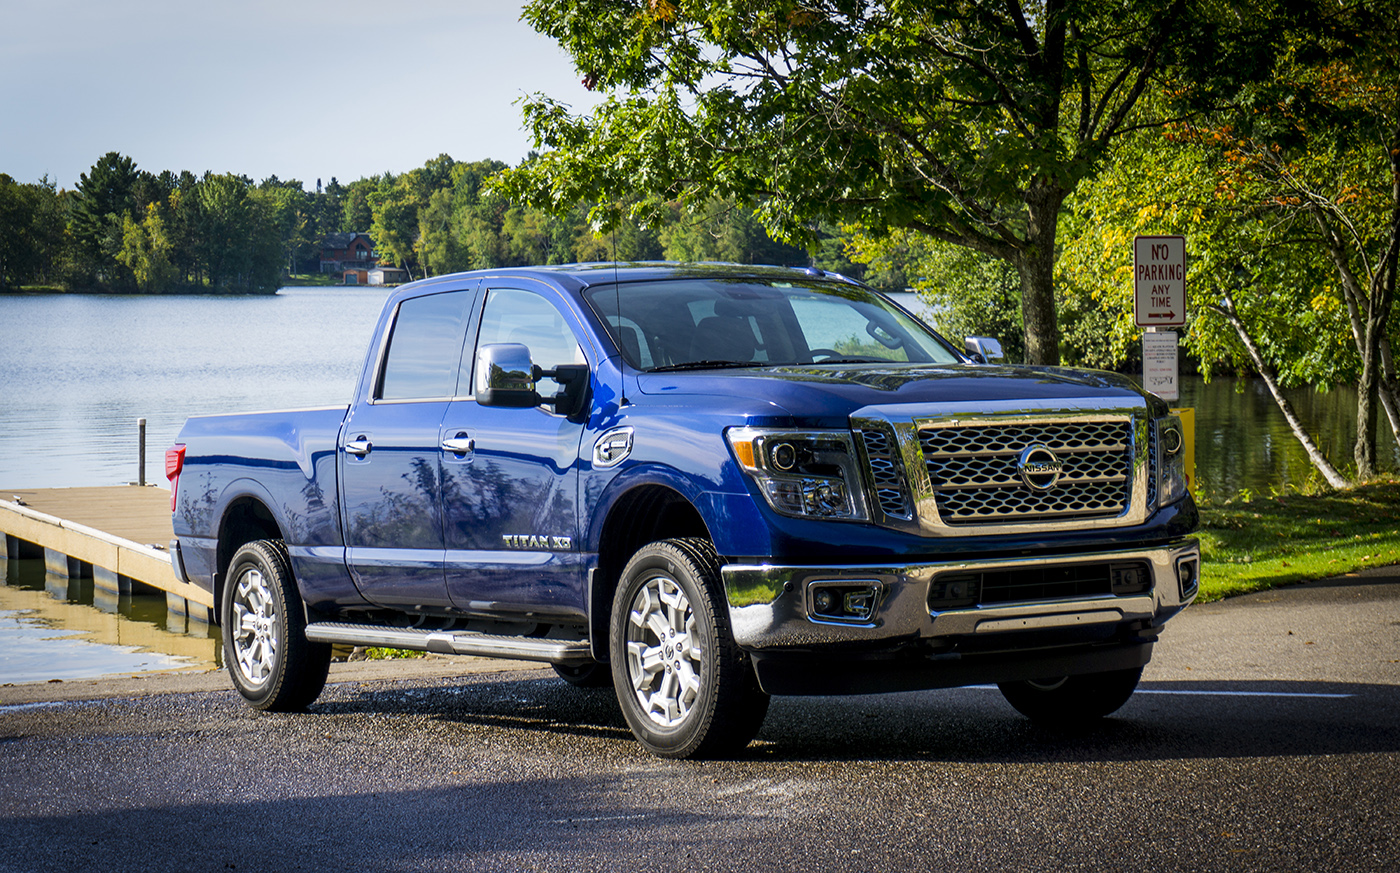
(642, 514)
(246, 518)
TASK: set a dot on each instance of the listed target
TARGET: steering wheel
(825, 353)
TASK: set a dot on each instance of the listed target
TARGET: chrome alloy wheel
(255, 639)
(663, 651)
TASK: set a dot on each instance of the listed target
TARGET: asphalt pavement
(1265, 736)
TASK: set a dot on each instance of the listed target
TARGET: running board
(451, 642)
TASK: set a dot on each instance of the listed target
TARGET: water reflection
(59, 628)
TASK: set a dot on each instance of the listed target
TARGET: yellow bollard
(1188, 430)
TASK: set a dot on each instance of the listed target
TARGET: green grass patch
(1274, 541)
(304, 280)
(377, 653)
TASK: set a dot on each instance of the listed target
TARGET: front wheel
(685, 688)
(264, 629)
(1072, 701)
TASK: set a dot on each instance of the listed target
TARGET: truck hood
(832, 393)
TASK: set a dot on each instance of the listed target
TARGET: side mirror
(505, 376)
(984, 350)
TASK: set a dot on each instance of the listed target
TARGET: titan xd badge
(538, 542)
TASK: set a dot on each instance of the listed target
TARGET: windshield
(702, 323)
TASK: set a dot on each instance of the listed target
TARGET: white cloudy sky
(303, 89)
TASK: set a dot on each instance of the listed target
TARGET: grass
(376, 653)
(312, 279)
(1267, 542)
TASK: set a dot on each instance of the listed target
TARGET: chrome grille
(973, 475)
(887, 474)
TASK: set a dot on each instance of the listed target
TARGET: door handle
(359, 447)
(459, 445)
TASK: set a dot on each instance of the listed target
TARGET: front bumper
(900, 642)
(771, 607)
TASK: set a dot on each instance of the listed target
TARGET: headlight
(1171, 461)
(809, 474)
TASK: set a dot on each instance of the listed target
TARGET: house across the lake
(351, 256)
(347, 251)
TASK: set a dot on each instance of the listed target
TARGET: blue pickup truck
(702, 485)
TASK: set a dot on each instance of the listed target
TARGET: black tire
(1072, 701)
(264, 629)
(692, 694)
(589, 674)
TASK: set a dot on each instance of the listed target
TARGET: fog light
(844, 601)
(1188, 577)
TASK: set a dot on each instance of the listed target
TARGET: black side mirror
(572, 400)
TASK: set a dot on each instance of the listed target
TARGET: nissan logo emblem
(1039, 468)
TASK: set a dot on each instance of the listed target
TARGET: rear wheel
(685, 688)
(1071, 701)
(264, 630)
(589, 674)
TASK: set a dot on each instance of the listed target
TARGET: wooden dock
(118, 535)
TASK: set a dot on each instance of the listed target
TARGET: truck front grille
(974, 476)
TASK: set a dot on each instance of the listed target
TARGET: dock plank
(123, 529)
(141, 515)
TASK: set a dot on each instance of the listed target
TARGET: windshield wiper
(852, 360)
(703, 365)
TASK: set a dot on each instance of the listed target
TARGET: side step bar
(451, 642)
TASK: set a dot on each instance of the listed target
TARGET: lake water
(77, 371)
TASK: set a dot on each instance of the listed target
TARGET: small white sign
(1159, 365)
(1159, 281)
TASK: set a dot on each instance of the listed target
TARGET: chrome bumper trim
(769, 604)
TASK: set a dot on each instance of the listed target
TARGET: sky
(300, 89)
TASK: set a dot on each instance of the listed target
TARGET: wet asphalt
(1265, 736)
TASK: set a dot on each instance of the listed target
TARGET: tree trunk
(1389, 402)
(1319, 460)
(1368, 388)
(1035, 263)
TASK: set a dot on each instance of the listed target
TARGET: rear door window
(425, 347)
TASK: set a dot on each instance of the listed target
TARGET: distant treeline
(126, 230)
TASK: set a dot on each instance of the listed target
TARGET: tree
(395, 206)
(106, 192)
(238, 240)
(1258, 293)
(973, 294)
(31, 230)
(146, 251)
(724, 231)
(966, 122)
(1318, 150)
(1290, 201)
